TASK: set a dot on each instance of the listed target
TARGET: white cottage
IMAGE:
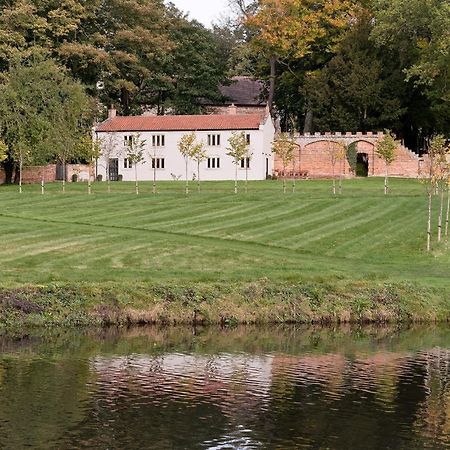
(161, 135)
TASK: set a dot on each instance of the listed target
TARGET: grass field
(218, 236)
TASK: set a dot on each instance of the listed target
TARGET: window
(214, 140)
(245, 163)
(127, 163)
(213, 163)
(127, 140)
(247, 139)
(158, 163)
(158, 140)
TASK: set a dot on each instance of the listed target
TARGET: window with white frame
(127, 140)
(127, 163)
(213, 163)
(158, 140)
(158, 163)
(214, 140)
(245, 163)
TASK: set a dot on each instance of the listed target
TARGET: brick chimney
(232, 110)
(112, 112)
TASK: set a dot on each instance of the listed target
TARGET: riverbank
(261, 302)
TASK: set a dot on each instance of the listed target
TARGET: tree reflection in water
(283, 387)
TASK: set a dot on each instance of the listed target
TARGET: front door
(113, 169)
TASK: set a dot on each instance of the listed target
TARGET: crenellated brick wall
(313, 159)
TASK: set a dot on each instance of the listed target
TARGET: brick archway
(313, 156)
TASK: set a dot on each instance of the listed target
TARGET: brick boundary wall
(313, 158)
(35, 174)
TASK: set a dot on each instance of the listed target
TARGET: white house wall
(260, 150)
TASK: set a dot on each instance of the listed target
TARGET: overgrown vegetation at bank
(217, 257)
(260, 302)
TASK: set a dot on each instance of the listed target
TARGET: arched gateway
(315, 153)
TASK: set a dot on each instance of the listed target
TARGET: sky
(205, 11)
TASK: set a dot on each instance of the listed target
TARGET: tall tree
(292, 29)
(43, 113)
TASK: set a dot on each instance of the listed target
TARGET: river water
(245, 388)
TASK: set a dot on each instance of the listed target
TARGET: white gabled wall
(174, 163)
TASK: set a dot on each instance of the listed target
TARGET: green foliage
(134, 149)
(145, 53)
(386, 146)
(186, 144)
(284, 147)
(352, 154)
(3, 151)
(44, 114)
(237, 146)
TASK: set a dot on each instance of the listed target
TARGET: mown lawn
(215, 235)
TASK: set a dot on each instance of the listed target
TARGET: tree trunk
(308, 127)
(341, 169)
(154, 177)
(42, 181)
(198, 175)
(273, 61)
(20, 173)
(246, 176)
(441, 213)
(64, 176)
(187, 180)
(235, 178)
(284, 179)
(108, 180)
(136, 180)
(334, 180)
(447, 212)
(430, 199)
(386, 187)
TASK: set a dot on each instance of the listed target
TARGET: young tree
(198, 154)
(237, 149)
(284, 147)
(385, 149)
(186, 147)
(337, 153)
(430, 176)
(447, 212)
(439, 150)
(135, 153)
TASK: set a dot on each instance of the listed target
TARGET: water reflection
(247, 388)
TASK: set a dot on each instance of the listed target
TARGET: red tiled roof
(182, 123)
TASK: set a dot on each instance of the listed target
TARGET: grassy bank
(261, 302)
(348, 248)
